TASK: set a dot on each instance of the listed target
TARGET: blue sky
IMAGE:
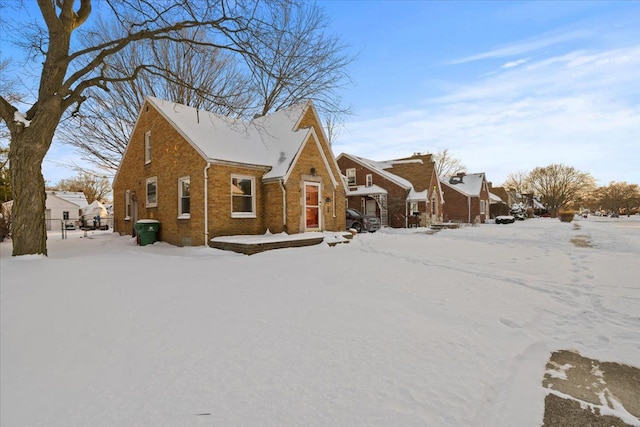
(505, 86)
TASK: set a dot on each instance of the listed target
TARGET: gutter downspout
(406, 214)
(206, 204)
(469, 207)
(284, 203)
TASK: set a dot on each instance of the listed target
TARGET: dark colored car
(505, 219)
(360, 222)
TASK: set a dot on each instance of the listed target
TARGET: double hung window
(243, 201)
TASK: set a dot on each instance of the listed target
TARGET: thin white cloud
(579, 109)
(524, 46)
(515, 63)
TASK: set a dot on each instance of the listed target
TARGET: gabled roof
(494, 198)
(501, 192)
(77, 198)
(467, 184)
(379, 168)
(271, 141)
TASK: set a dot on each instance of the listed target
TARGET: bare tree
(560, 185)
(298, 61)
(518, 183)
(93, 186)
(292, 60)
(617, 196)
(197, 75)
(446, 164)
(68, 71)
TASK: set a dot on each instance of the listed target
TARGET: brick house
(202, 175)
(500, 201)
(403, 192)
(466, 198)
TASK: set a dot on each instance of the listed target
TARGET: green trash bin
(147, 231)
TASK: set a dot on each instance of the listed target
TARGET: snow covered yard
(398, 327)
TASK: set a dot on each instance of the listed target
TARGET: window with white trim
(369, 181)
(413, 208)
(65, 215)
(184, 198)
(482, 206)
(152, 192)
(147, 147)
(243, 201)
(127, 204)
(351, 176)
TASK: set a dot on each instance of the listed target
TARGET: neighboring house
(466, 198)
(402, 192)
(202, 175)
(64, 208)
(500, 201)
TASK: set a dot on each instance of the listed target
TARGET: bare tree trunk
(29, 233)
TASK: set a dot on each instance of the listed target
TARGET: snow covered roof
(494, 198)
(271, 141)
(95, 208)
(537, 204)
(77, 198)
(363, 190)
(379, 168)
(469, 184)
(418, 195)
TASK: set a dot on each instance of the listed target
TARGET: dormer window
(351, 177)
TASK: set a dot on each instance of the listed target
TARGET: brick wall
(171, 158)
(458, 209)
(423, 177)
(396, 195)
(418, 174)
(333, 211)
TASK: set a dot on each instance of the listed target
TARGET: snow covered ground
(395, 328)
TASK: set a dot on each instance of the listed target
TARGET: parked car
(505, 219)
(360, 222)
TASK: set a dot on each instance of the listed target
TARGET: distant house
(64, 208)
(402, 192)
(466, 198)
(500, 201)
(202, 175)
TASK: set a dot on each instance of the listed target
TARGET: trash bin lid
(148, 221)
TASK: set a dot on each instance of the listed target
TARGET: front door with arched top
(312, 211)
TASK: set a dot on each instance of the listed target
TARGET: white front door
(370, 207)
(312, 211)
